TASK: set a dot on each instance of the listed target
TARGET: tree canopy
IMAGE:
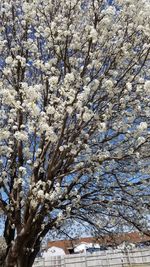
(74, 117)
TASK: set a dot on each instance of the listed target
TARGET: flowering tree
(74, 109)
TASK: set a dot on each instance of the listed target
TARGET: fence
(116, 258)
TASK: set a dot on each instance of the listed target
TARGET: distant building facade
(91, 244)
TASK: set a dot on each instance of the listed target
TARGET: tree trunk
(22, 251)
(24, 262)
(19, 258)
(21, 261)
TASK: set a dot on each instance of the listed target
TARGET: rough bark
(17, 256)
(15, 252)
(22, 260)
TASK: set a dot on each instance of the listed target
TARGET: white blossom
(140, 140)
(22, 169)
(33, 203)
(9, 60)
(47, 196)
(69, 77)
(53, 80)
(147, 86)
(129, 86)
(50, 110)
(40, 194)
(142, 126)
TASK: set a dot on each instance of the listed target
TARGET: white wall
(116, 258)
(53, 251)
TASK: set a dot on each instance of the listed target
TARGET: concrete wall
(114, 258)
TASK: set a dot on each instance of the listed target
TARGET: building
(91, 244)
